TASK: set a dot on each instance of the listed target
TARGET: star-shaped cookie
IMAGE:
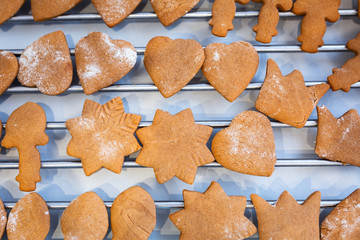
(212, 215)
(343, 223)
(338, 139)
(174, 146)
(287, 219)
(103, 135)
(286, 98)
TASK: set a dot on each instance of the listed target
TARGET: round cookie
(247, 145)
(171, 64)
(46, 64)
(46, 9)
(133, 215)
(29, 219)
(3, 217)
(9, 8)
(114, 12)
(85, 218)
(9, 68)
(230, 68)
(101, 61)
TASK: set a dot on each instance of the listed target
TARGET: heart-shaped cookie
(171, 64)
(114, 11)
(46, 9)
(101, 61)
(168, 11)
(9, 68)
(230, 68)
(8, 8)
(46, 64)
(29, 219)
(247, 145)
(85, 217)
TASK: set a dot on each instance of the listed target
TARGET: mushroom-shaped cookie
(313, 25)
(25, 129)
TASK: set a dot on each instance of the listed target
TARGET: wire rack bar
(214, 124)
(152, 15)
(259, 48)
(148, 88)
(168, 204)
(14, 164)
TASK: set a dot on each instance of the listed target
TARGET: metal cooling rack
(129, 163)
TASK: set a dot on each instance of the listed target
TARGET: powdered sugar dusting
(91, 71)
(125, 55)
(111, 10)
(216, 56)
(6, 54)
(107, 149)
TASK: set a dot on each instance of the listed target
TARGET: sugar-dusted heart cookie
(133, 215)
(247, 145)
(103, 135)
(46, 9)
(269, 18)
(212, 215)
(101, 61)
(29, 219)
(342, 78)
(174, 145)
(25, 129)
(343, 222)
(8, 8)
(3, 217)
(287, 219)
(313, 25)
(171, 64)
(230, 68)
(338, 139)
(286, 98)
(114, 11)
(168, 11)
(85, 218)
(46, 64)
(9, 68)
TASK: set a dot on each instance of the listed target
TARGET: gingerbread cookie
(287, 219)
(101, 61)
(247, 145)
(223, 13)
(85, 218)
(174, 146)
(286, 98)
(230, 68)
(3, 217)
(168, 11)
(212, 215)
(343, 222)
(338, 139)
(9, 8)
(103, 135)
(171, 64)
(133, 215)
(313, 25)
(9, 68)
(114, 12)
(269, 18)
(46, 64)
(46, 9)
(25, 129)
(29, 219)
(342, 78)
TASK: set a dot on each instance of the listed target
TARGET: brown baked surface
(46, 9)
(287, 219)
(9, 68)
